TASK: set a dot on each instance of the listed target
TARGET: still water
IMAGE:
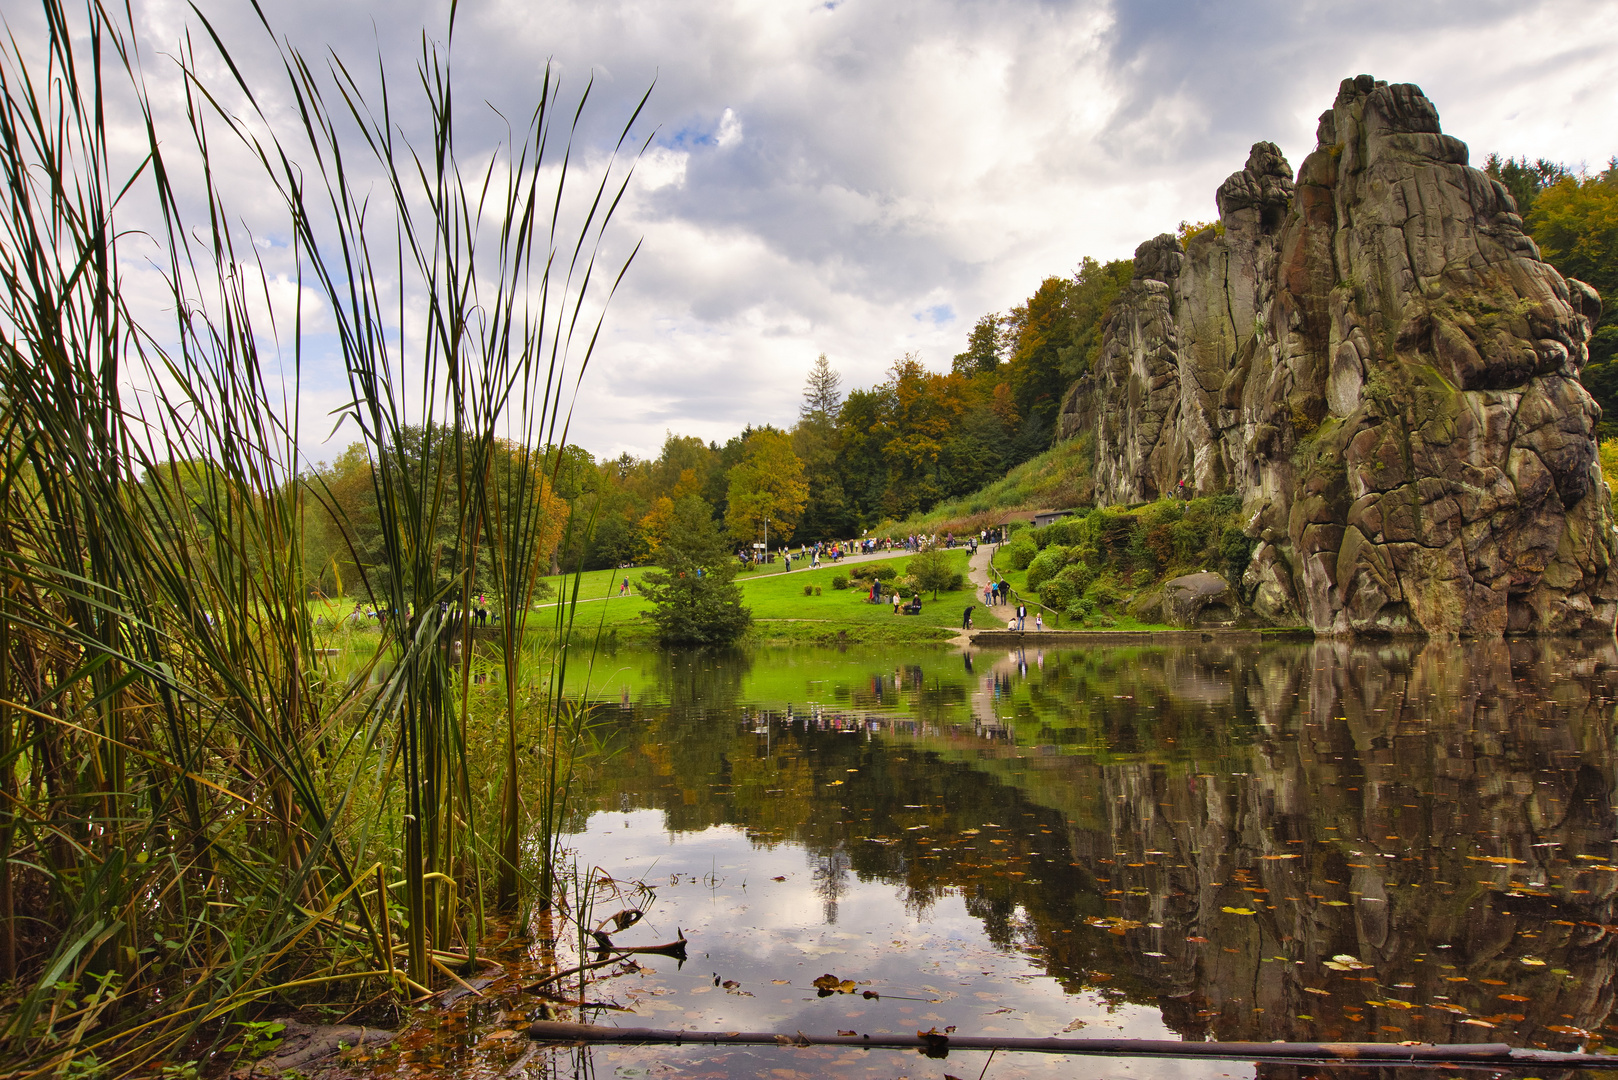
(1305, 842)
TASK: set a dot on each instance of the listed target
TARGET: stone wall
(1376, 358)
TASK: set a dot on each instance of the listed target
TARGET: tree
(1575, 223)
(931, 570)
(983, 346)
(1525, 179)
(821, 393)
(767, 490)
(695, 599)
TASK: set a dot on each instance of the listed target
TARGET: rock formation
(1377, 360)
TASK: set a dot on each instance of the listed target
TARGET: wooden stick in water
(1364, 1053)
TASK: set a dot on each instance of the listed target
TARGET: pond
(1306, 842)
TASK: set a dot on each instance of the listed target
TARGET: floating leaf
(1074, 1025)
(1198, 940)
(1271, 858)
(1317, 990)
(831, 984)
(846, 1034)
(783, 877)
(1493, 982)
(1238, 911)
(1565, 1029)
(1336, 903)
(1532, 961)
(1497, 860)
(1477, 1023)
(1351, 962)
(1514, 997)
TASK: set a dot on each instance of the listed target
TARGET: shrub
(817, 590)
(1047, 564)
(1235, 551)
(957, 582)
(839, 582)
(1018, 553)
(1057, 594)
(881, 571)
(808, 590)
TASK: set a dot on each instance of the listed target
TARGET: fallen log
(1496, 1054)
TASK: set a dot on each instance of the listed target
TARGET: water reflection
(1303, 842)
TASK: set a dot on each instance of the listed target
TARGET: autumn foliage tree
(767, 490)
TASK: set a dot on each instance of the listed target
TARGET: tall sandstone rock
(1378, 361)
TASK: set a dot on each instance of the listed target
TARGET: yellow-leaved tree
(767, 490)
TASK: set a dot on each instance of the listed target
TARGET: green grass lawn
(781, 610)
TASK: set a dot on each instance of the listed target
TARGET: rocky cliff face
(1375, 357)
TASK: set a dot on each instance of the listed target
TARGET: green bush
(881, 571)
(957, 582)
(817, 590)
(1057, 594)
(808, 590)
(838, 581)
(1047, 565)
(1018, 553)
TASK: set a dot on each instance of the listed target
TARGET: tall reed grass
(198, 813)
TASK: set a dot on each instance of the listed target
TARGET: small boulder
(1198, 600)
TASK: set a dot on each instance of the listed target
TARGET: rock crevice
(1375, 357)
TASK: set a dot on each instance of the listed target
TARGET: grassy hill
(1055, 480)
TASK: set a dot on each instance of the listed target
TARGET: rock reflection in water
(1389, 842)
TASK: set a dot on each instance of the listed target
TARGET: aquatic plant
(197, 812)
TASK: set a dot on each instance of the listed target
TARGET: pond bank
(983, 638)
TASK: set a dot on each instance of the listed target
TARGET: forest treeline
(852, 460)
(862, 456)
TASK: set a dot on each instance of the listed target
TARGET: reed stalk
(192, 805)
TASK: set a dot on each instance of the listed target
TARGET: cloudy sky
(865, 178)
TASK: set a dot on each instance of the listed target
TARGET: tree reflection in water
(1388, 841)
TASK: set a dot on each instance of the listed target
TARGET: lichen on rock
(1375, 357)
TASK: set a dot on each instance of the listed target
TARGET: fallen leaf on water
(1317, 990)
(783, 877)
(846, 1034)
(1198, 940)
(1532, 961)
(1565, 1029)
(1272, 858)
(782, 982)
(1493, 982)
(1477, 1023)
(870, 995)
(1074, 1025)
(1497, 860)
(1238, 911)
(504, 1034)
(831, 984)
(1514, 997)
(730, 984)
(1336, 903)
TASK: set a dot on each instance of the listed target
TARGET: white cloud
(865, 179)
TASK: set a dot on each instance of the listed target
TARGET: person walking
(1039, 620)
(1022, 613)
